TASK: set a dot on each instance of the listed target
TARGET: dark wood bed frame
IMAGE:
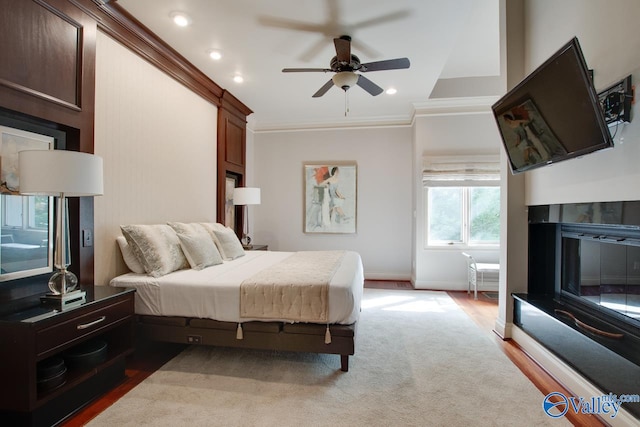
(300, 337)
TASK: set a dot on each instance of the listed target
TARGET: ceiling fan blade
(323, 89)
(393, 16)
(333, 11)
(343, 49)
(364, 48)
(306, 70)
(389, 64)
(369, 86)
(315, 49)
(289, 24)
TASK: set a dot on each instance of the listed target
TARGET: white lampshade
(55, 172)
(246, 196)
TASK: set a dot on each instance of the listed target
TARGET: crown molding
(454, 106)
(256, 126)
(432, 107)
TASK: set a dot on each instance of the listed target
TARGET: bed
(241, 300)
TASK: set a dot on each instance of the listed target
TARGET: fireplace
(583, 298)
(600, 268)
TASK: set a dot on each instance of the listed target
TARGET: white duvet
(214, 292)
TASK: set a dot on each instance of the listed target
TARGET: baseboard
(453, 286)
(502, 329)
(386, 276)
(570, 379)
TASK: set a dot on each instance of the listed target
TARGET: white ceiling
(453, 39)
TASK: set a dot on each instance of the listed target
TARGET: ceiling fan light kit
(345, 65)
(345, 79)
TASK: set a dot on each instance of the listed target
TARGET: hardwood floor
(149, 357)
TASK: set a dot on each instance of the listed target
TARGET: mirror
(26, 222)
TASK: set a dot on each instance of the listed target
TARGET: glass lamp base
(62, 282)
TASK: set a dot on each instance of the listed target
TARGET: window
(462, 202)
(463, 215)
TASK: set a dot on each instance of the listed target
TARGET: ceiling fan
(345, 65)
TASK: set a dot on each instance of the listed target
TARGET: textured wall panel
(158, 140)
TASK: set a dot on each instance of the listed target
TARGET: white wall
(158, 141)
(439, 134)
(389, 171)
(610, 40)
(384, 218)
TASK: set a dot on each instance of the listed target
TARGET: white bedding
(214, 292)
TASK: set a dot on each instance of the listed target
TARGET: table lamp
(62, 174)
(244, 196)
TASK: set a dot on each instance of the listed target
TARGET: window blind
(461, 171)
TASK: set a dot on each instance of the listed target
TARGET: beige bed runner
(295, 289)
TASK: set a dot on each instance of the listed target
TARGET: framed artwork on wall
(330, 197)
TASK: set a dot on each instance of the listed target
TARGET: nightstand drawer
(84, 324)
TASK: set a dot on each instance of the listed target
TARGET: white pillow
(225, 238)
(157, 247)
(209, 226)
(197, 245)
(128, 256)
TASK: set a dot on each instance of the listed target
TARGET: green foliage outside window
(463, 215)
(41, 212)
(445, 215)
(484, 214)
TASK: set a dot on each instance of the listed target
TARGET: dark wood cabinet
(39, 334)
(232, 153)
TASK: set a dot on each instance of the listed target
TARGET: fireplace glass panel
(606, 274)
(633, 282)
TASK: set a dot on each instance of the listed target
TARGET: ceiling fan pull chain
(346, 103)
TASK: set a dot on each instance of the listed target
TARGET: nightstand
(41, 336)
(257, 248)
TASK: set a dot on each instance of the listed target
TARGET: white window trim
(463, 172)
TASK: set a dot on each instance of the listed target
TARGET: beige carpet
(420, 361)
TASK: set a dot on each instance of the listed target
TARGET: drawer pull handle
(90, 324)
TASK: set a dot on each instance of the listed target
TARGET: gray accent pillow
(226, 240)
(197, 245)
(157, 247)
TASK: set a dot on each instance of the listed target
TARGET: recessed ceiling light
(391, 91)
(215, 54)
(181, 19)
(238, 78)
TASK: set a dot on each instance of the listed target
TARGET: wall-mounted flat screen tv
(553, 114)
